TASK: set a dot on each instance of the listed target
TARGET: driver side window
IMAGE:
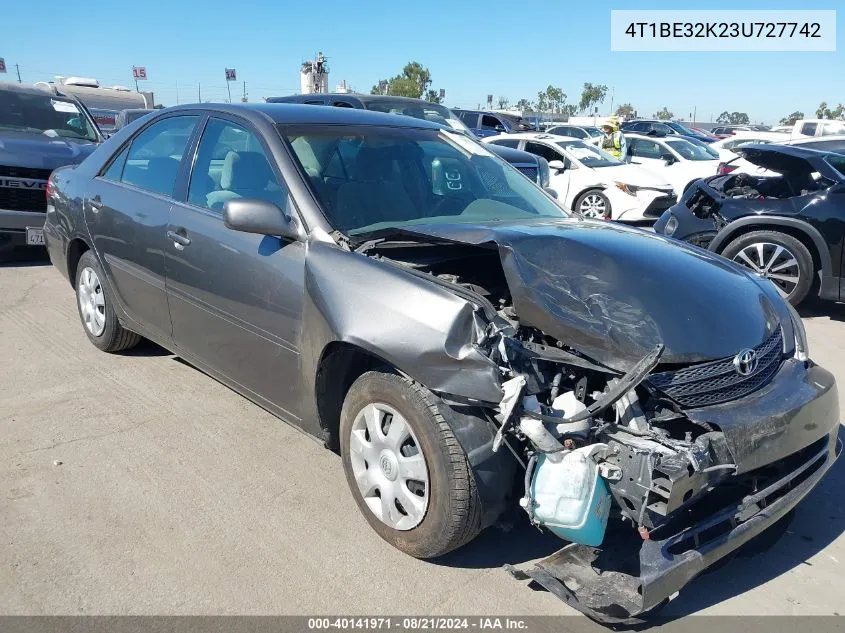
(539, 149)
(645, 149)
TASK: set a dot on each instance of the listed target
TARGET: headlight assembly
(802, 348)
(631, 190)
(671, 226)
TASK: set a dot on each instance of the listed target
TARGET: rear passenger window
(809, 129)
(490, 122)
(154, 156)
(538, 149)
(231, 163)
(506, 142)
(115, 170)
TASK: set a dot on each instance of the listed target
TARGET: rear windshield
(837, 161)
(423, 110)
(46, 114)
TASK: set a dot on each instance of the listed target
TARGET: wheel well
(795, 232)
(75, 250)
(340, 366)
(582, 192)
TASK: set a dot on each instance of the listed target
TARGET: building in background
(314, 75)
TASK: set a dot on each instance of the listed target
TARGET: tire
(596, 203)
(446, 509)
(776, 264)
(96, 312)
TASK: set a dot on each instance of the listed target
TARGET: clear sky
(472, 49)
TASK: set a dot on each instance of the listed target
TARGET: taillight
(725, 168)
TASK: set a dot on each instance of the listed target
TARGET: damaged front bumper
(626, 577)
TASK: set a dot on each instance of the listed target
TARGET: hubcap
(593, 206)
(389, 467)
(773, 262)
(92, 302)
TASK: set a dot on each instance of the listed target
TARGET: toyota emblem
(745, 362)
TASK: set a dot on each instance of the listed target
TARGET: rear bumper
(612, 586)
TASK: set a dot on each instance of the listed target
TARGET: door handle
(96, 203)
(179, 239)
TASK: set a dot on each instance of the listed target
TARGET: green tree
(664, 114)
(523, 104)
(592, 95)
(503, 102)
(838, 112)
(791, 118)
(723, 118)
(569, 110)
(556, 98)
(414, 81)
(542, 101)
(432, 95)
(823, 112)
(733, 118)
(625, 110)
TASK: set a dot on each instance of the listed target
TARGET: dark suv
(665, 128)
(484, 123)
(534, 167)
(39, 131)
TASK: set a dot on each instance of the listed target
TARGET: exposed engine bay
(615, 458)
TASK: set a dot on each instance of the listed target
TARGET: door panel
(236, 298)
(126, 210)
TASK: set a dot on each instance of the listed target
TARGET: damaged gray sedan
(391, 287)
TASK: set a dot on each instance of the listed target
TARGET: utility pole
(136, 85)
(229, 90)
(612, 96)
(243, 99)
(199, 92)
(18, 68)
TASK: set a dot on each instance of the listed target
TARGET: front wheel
(593, 204)
(778, 257)
(408, 473)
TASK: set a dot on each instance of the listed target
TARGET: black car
(664, 128)
(534, 167)
(787, 228)
(39, 131)
(394, 289)
(486, 123)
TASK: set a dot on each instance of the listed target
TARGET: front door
(236, 298)
(126, 210)
(559, 181)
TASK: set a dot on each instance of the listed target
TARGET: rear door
(126, 210)
(236, 298)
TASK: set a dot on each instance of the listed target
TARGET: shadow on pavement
(818, 308)
(15, 256)
(146, 348)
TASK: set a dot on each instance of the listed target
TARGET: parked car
(664, 128)
(487, 123)
(787, 228)
(593, 182)
(39, 131)
(674, 158)
(533, 167)
(825, 144)
(804, 128)
(725, 131)
(391, 287)
(125, 117)
(574, 131)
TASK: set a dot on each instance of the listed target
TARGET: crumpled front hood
(31, 149)
(614, 293)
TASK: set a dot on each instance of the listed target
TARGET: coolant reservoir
(570, 497)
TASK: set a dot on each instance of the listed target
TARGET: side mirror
(259, 216)
(557, 165)
(500, 129)
(668, 158)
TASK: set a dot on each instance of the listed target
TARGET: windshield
(593, 131)
(680, 129)
(370, 178)
(837, 161)
(424, 110)
(705, 146)
(588, 155)
(46, 114)
(688, 150)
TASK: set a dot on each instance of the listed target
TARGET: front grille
(19, 199)
(530, 172)
(25, 172)
(659, 205)
(710, 383)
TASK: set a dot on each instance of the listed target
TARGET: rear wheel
(778, 257)
(95, 308)
(593, 204)
(405, 468)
